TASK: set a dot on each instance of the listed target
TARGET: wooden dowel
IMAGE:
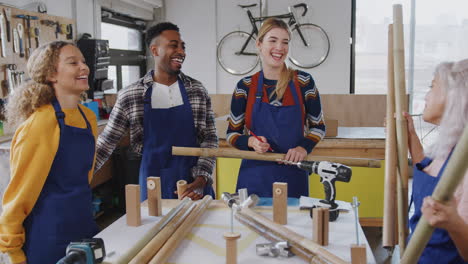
(295, 239)
(401, 124)
(153, 246)
(388, 233)
(450, 179)
(231, 247)
(181, 188)
(172, 243)
(133, 251)
(243, 154)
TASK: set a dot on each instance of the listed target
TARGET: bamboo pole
(388, 238)
(172, 243)
(153, 246)
(297, 241)
(401, 125)
(133, 251)
(450, 179)
(242, 154)
(337, 143)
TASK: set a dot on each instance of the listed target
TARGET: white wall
(203, 24)
(197, 23)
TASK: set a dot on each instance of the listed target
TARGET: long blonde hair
(38, 91)
(287, 74)
(453, 78)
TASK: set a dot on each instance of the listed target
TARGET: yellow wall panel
(366, 183)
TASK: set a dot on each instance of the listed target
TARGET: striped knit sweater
(314, 126)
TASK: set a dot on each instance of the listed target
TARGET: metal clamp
(275, 249)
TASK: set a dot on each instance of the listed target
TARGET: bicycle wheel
(315, 52)
(229, 56)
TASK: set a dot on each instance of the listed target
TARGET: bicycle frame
(293, 22)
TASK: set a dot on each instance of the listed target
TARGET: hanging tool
(329, 173)
(11, 68)
(27, 19)
(35, 34)
(7, 12)
(21, 39)
(86, 251)
(16, 40)
(3, 36)
(70, 31)
(57, 29)
(20, 78)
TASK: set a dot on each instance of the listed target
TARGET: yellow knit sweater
(33, 150)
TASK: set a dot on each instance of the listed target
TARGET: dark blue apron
(63, 211)
(283, 128)
(440, 248)
(164, 128)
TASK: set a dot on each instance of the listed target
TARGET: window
(122, 37)
(440, 34)
(127, 48)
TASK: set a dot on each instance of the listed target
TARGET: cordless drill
(86, 251)
(329, 173)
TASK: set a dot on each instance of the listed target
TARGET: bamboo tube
(153, 246)
(171, 244)
(450, 179)
(296, 240)
(388, 238)
(133, 251)
(242, 154)
(181, 188)
(335, 143)
(401, 125)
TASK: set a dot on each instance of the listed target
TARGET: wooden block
(231, 247)
(181, 187)
(332, 127)
(317, 225)
(358, 254)
(132, 203)
(280, 203)
(326, 220)
(154, 196)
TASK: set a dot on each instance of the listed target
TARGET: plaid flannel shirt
(128, 114)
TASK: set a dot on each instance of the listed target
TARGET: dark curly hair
(156, 30)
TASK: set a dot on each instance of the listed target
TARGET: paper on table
(305, 201)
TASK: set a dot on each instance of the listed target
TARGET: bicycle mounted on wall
(309, 45)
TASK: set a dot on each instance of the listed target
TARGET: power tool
(86, 251)
(329, 173)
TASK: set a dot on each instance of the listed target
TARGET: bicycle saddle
(247, 6)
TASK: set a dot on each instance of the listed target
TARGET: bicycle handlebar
(303, 5)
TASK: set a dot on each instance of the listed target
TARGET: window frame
(119, 57)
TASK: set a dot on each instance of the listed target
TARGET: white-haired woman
(446, 106)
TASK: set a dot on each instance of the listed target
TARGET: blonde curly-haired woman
(47, 203)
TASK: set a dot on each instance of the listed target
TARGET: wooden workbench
(205, 242)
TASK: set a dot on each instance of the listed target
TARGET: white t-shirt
(164, 97)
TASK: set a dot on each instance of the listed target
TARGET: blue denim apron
(63, 211)
(283, 128)
(440, 248)
(164, 128)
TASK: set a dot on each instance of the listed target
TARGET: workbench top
(205, 242)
